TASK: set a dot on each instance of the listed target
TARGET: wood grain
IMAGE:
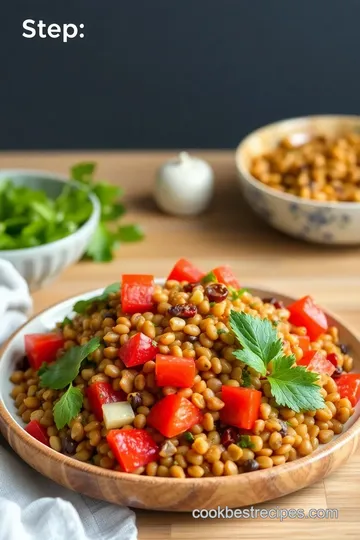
(228, 232)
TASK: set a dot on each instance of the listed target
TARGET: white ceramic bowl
(321, 222)
(41, 264)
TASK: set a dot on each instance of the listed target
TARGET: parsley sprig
(61, 374)
(291, 385)
(106, 239)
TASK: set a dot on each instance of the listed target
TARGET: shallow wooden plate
(166, 493)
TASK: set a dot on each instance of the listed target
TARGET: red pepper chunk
(138, 350)
(315, 361)
(40, 348)
(136, 293)
(101, 393)
(185, 271)
(36, 430)
(304, 343)
(174, 371)
(349, 387)
(173, 415)
(132, 448)
(305, 312)
(225, 275)
(241, 406)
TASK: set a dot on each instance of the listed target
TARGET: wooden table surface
(227, 233)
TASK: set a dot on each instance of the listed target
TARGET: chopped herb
(189, 437)
(30, 218)
(65, 369)
(68, 406)
(291, 385)
(82, 305)
(246, 379)
(235, 294)
(154, 343)
(221, 331)
(275, 323)
(209, 278)
(212, 304)
(245, 442)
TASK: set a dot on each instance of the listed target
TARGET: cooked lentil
(321, 169)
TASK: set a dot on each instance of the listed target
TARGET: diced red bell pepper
(225, 275)
(99, 394)
(138, 350)
(241, 406)
(173, 415)
(41, 348)
(349, 387)
(332, 357)
(185, 271)
(36, 430)
(316, 361)
(136, 293)
(305, 312)
(174, 371)
(304, 343)
(132, 448)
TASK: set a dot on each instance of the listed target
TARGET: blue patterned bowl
(321, 222)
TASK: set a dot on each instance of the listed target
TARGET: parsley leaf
(83, 172)
(66, 368)
(294, 386)
(82, 305)
(66, 321)
(256, 336)
(129, 233)
(43, 368)
(209, 278)
(245, 442)
(251, 359)
(68, 406)
(101, 245)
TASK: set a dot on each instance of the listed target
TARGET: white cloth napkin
(31, 506)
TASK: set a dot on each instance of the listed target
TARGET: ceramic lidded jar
(184, 185)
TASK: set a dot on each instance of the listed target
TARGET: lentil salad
(156, 380)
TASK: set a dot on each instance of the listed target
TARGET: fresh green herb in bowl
(31, 216)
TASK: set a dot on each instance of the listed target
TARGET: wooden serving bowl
(166, 494)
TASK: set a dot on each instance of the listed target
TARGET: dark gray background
(168, 74)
